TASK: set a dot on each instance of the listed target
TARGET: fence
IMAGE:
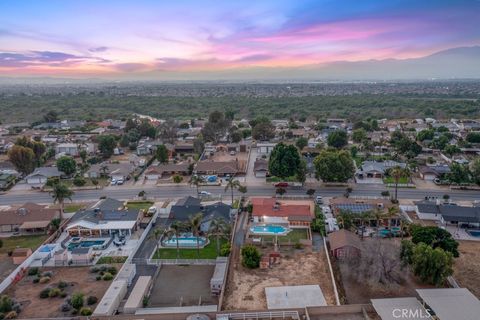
(181, 261)
(261, 315)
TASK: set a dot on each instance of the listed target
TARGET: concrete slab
(294, 297)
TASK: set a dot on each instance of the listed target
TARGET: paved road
(166, 192)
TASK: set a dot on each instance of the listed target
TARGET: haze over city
(202, 40)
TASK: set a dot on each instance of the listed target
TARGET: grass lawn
(32, 242)
(402, 180)
(139, 204)
(112, 259)
(293, 236)
(286, 179)
(73, 207)
(208, 252)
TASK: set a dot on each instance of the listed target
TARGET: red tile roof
(272, 208)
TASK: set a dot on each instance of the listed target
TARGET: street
(166, 192)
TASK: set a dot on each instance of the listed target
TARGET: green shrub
(11, 315)
(62, 284)
(177, 178)
(44, 294)
(94, 269)
(5, 304)
(85, 311)
(77, 300)
(55, 292)
(33, 271)
(79, 181)
(250, 256)
(36, 280)
(145, 301)
(107, 276)
(112, 270)
(98, 278)
(44, 279)
(225, 249)
(91, 300)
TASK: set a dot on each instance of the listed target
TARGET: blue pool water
(85, 244)
(47, 248)
(185, 242)
(269, 229)
(474, 233)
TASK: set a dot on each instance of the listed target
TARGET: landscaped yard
(32, 242)
(73, 207)
(293, 236)
(208, 252)
(140, 205)
(279, 179)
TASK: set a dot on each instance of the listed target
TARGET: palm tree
(366, 216)
(195, 222)
(397, 173)
(218, 229)
(175, 229)
(197, 181)
(59, 194)
(157, 234)
(232, 184)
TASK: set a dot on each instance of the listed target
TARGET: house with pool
(286, 220)
(105, 219)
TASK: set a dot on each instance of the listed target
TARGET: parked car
(281, 185)
(232, 153)
(318, 200)
(204, 193)
(152, 210)
(113, 182)
(120, 182)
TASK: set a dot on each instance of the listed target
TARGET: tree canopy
(284, 161)
(334, 166)
(67, 165)
(435, 237)
(337, 139)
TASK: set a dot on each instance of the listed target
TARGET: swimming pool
(474, 233)
(96, 244)
(47, 248)
(269, 229)
(185, 241)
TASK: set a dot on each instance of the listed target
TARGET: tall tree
(284, 161)
(22, 158)
(216, 127)
(162, 154)
(334, 166)
(60, 193)
(168, 131)
(67, 165)
(232, 185)
(197, 181)
(218, 228)
(195, 222)
(398, 173)
(106, 144)
(301, 143)
(262, 129)
(337, 139)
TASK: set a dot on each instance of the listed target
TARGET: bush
(112, 270)
(63, 294)
(98, 278)
(47, 274)
(91, 300)
(33, 271)
(86, 311)
(225, 249)
(11, 315)
(107, 276)
(55, 292)
(36, 280)
(94, 269)
(44, 279)
(250, 256)
(177, 178)
(45, 293)
(77, 300)
(79, 181)
(5, 304)
(62, 284)
(145, 301)
(385, 193)
(298, 245)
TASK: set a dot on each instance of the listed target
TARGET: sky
(127, 38)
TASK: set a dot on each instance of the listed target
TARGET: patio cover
(34, 225)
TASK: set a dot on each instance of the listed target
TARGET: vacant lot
(79, 279)
(467, 266)
(246, 288)
(178, 286)
(6, 266)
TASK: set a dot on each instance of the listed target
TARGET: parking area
(177, 286)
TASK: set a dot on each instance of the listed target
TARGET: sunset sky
(104, 38)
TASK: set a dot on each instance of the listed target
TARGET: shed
(20, 254)
(60, 257)
(343, 244)
(218, 277)
(139, 291)
(81, 256)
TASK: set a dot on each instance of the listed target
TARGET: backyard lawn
(73, 207)
(402, 180)
(293, 236)
(139, 205)
(208, 252)
(32, 242)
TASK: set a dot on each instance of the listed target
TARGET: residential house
(430, 173)
(344, 244)
(295, 214)
(219, 168)
(165, 170)
(188, 207)
(376, 169)
(147, 147)
(265, 147)
(115, 171)
(182, 147)
(69, 149)
(41, 174)
(29, 218)
(260, 168)
(448, 214)
(104, 219)
(6, 181)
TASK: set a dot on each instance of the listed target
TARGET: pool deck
(461, 234)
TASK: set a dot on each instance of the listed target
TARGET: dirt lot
(80, 280)
(225, 156)
(178, 286)
(6, 266)
(246, 290)
(467, 266)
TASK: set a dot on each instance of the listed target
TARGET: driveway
(250, 178)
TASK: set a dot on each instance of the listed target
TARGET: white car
(232, 153)
(318, 200)
(204, 193)
(114, 182)
(120, 182)
(152, 210)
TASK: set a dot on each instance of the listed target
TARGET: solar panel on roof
(355, 207)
